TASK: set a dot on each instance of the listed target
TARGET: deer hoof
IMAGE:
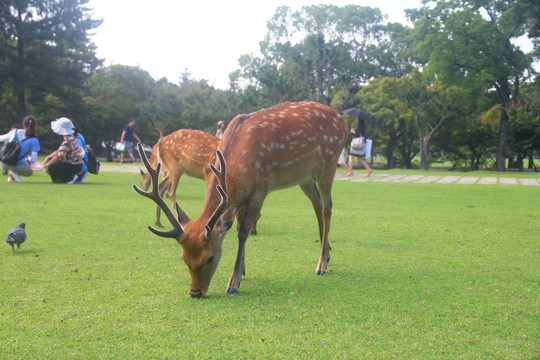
(231, 291)
(320, 272)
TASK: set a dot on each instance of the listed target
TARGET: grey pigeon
(16, 235)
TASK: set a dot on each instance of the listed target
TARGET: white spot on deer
(257, 165)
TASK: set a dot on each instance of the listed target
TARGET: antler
(222, 189)
(177, 230)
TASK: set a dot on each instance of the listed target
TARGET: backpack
(93, 163)
(10, 153)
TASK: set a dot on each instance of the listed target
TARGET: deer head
(202, 260)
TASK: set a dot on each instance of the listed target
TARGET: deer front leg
(246, 220)
(239, 267)
(326, 199)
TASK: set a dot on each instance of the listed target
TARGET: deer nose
(195, 293)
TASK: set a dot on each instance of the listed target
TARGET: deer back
(190, 150)
(280, 146)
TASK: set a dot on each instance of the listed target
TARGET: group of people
(67, 165)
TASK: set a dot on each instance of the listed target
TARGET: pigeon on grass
(16, 235)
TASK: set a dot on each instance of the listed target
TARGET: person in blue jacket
(82, 144)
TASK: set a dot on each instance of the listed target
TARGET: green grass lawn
(418, 271)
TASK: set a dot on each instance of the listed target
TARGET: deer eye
(210, 259)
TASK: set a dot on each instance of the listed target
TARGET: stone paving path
(382, 177)
(450, 179)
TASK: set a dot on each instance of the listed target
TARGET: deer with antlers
(278, 147)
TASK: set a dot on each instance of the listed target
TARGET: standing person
(359, 130)
(65, 163)
(127, 138)
(29, 145)
(220, 129)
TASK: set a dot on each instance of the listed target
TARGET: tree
(45, 49)
(115, 95)
(470, 44)
(524, 129)
(309, 52)
(393, 128)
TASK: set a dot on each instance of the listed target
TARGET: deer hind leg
(246, 217)
(253, 230)
(323, 212)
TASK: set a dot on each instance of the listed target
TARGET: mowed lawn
(418, 271)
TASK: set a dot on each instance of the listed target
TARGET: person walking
(359, 131)
(128, 134)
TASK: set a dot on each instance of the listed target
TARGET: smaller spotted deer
(275, 148)
(184, 151)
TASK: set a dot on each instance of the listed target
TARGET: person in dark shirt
(128, 134)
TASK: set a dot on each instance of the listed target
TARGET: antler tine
(222, 189)
(177, 230)
(222, 172)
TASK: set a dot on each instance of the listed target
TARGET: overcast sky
(164, 37)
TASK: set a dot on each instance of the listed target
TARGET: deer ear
(225, 222)
(227, 219)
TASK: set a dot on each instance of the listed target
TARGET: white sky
(164, 37)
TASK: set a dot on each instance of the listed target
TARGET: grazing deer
(274, 148)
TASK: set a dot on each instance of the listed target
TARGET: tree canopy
(453, 86)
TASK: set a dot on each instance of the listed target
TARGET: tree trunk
(424, 154)
(503, 131)
(391, 162)
(519, 161)
(20, 86)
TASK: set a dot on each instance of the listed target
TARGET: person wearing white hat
(65, 163)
